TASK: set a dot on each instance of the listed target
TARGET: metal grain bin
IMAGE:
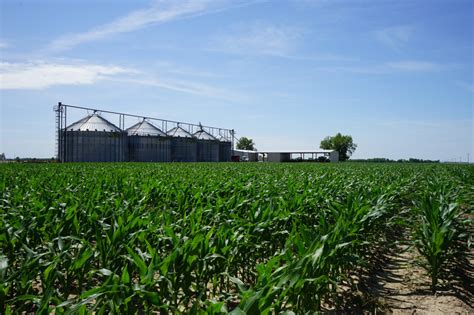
(93, 139)
(207, 147)
(225, 150)
(183, 145)
(147, 143)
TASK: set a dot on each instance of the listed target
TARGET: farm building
(147, 143)
(225, 149)
(207, 147)
(96, 139)
(93, 139)
(183, 145)
(246, 155)
(287, 155)
(303, 155)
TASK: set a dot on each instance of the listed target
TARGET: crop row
(252, 238)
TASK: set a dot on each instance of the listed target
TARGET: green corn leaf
(125, 276)
(83, 258)
(138, 262)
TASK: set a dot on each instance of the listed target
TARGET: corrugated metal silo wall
(183, 149)
(225, 149)
(94, 146)
(149, 149)
(207, 151)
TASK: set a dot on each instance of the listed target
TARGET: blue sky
(396, 75)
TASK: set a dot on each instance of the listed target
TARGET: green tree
(246, 144)
(341, 143)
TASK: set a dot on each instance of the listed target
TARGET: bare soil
(401, 286)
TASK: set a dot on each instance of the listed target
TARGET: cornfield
(216, 238)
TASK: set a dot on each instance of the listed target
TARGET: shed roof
(288, 151)
(298, 151)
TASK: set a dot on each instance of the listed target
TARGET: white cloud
(259, 39)
(468, 86)
(404, 66)
(41, 75)
(194, 73)
(415, 66)
(4, 44)
(184, 86)
(178, 69)
(161, 11)
(157, 13)
(394, 37)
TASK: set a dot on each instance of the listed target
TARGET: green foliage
(197, 237)
(246, 144)
(341, 143)
(441, 227)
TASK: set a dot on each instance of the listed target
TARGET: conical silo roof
(204, 135)
(179, 132)
(92, 123)
(145, 128)
(223, 139)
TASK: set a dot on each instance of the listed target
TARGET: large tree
(341, 143)
(246, 144)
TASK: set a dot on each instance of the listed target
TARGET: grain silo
(147, 143)
(207, 147)
(183, 145)
(93, 139)
(225, 149)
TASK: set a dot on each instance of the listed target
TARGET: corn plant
(198, 237)
(440, 227)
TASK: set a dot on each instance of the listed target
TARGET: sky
(395, 75)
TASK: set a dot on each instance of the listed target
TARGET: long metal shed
(93, 139)
(147, 143)
(286, 155)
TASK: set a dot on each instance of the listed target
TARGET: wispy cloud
(184, 86)
(394, 37)
(403, 66)
(194, 73)
(259, 39)
(161, 11)
(41, 75)
(416, 66)
(424, 123)
(4, 44)
(468, 86)
(174, 69)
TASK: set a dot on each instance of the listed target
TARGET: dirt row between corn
(401, 286)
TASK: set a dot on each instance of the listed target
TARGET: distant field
(219, 237)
